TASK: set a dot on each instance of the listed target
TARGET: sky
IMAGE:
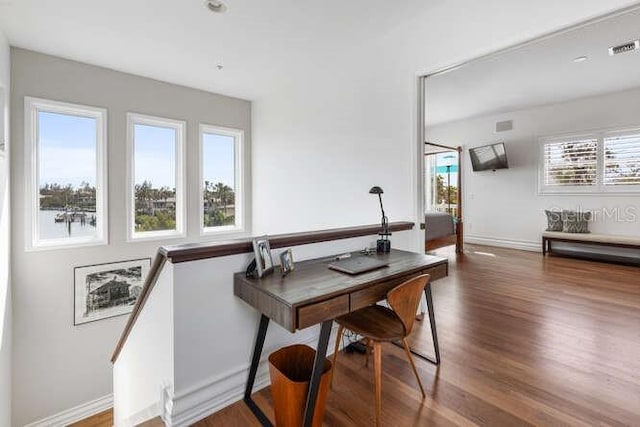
(154, 150)
(442, 160)
(67, 147)
(67, 153)
(219, 159)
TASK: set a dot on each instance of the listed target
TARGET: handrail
(197, 251)
(149, 284)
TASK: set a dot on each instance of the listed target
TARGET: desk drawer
(372, 295)
(377, 293)
(313, 314)
(437, 272)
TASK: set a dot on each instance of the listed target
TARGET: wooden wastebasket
(290, 370)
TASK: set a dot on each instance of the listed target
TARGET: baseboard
(523, 245)
(210, 396)
(77, 413)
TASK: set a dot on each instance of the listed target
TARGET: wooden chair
(378, 324)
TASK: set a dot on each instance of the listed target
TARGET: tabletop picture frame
(262, 253)
(286, 262)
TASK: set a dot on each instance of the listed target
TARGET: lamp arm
(381, 208)
(385, 220)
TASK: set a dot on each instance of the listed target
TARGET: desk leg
(316, 375)
(432, 321)
(434, 333)
(255, 361)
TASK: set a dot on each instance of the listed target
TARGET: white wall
(57, 365)
(5, 284)
(143, 372)
(346, 120)
(504, 205)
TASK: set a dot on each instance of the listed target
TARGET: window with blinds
(607, 161)
(571, 163)
(622, 160)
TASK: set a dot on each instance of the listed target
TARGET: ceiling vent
(623, 48)
(505, 126)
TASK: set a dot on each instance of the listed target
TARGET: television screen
(488, 157)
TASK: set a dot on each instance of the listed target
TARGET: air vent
(623, 48)
(505, 126)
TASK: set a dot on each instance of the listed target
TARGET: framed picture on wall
(108, 290)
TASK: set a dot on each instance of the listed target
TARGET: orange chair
(378, 324)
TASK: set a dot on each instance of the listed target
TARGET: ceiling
(263, 45)
(256, 42)
(539, 73)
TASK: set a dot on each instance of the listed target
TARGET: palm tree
(224, 194)
(144, 193)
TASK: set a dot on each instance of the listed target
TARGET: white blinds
(622, 160)
(570, 162)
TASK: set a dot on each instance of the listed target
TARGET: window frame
(240, 184)
(599, 187)
(32, 107)
(180, 177)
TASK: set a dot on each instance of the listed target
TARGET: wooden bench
(608, 240)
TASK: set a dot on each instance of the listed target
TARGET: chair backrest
(404, 300)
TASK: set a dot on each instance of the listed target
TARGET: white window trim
(32, 106)
(599, 188)
(241, 188)
(180, 179)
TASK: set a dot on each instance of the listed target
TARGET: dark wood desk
(314, 294)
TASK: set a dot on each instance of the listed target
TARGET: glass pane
(66, 149)
(219, 180)
(570, 163)
(155, 178)
(446, 181)
(622, 160)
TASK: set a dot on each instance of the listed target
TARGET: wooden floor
(525, 340)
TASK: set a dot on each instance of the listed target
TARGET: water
(49, 229)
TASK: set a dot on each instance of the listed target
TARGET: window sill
(148, 236)
(53, 245)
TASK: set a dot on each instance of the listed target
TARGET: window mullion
(600, 164)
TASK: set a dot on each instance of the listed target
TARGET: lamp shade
(376, 190)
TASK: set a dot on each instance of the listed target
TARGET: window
(597, 163)
(622, 160)
(65, 153)
(221, 180)
(570, 163)
(156, 192)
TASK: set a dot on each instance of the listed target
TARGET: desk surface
(313, 293)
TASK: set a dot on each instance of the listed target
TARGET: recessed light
(580, 59)
(216, 6)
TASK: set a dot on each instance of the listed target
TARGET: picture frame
(262, 252)
(107, 290)
(286, 262)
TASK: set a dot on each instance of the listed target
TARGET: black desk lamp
(383, 244)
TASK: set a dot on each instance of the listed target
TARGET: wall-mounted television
(489, 157)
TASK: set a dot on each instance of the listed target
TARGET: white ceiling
(257, 42)
(539, 73)
(263, 45)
